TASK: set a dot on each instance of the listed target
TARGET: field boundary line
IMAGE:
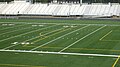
(63, 23)
(82, 38)
(23, 34)
(60, 53)
(105, 35)
(59, 37)
(116, 61)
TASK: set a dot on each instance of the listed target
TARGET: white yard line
(15, 30)
(61, 53)
(82, 38)
(59, 37)
(44, 34)
(105, 35)
(24, 34)
(31, 39)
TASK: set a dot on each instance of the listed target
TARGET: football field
(59, 43)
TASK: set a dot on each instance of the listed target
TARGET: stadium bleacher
(65, 9)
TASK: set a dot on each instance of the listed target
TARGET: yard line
(15, 30)
(82, 38)
(42, 38)
(23, 34)
(44, 34)
(116, 61)
(105, 35)
(58, 38)
(51, 35)
(60, 53)
(26, 33)
(9, 46)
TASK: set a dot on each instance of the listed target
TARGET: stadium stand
(55, 9)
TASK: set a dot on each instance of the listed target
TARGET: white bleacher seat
(23, 7)
(118, 11)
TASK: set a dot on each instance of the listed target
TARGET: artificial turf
(77, 36)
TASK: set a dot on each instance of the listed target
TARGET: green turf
(95, 37)
(48, 60)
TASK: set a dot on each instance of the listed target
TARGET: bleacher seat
(15, 8)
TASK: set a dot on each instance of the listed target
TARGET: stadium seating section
(26, 8)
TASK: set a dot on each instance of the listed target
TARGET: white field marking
(12, 27)
(44, 34)
(21, 35)
(26, 33)
(60, 53)
(105, 35)
(51, 35)
(65, 23)
(82, 38)
(59, 37)
(15, 30)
